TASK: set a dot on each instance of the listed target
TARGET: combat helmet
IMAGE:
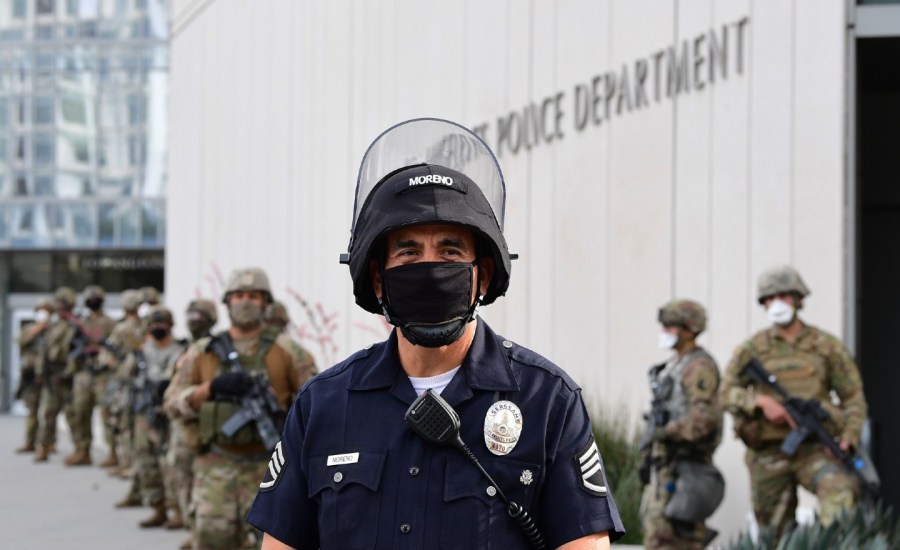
(277, 314)
(93, 291)
(248, 278)
(64, 298)
(204, 307)
(779, 280)
(159, 314)
(149, 295)
(45, 304)
(131, 299)
(683, 313)
(422, 171)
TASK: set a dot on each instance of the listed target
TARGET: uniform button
(491, 490)
(405, 528)
(338, 477)
(413, 471)
(507, 344)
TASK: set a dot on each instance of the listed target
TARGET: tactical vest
(676, 403)
(213, 414)
(803, 372)
(56, 344)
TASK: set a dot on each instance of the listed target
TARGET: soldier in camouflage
(127, 336)
(685, 426)
(304, 363)
(810, 364)
(227, 470)
(183, 436)
(152, 372)
(90, 378)
(29, 390)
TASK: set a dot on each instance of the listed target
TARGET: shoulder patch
(276, 466)
(589, 469)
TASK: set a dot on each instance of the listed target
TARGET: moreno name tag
(347, 458)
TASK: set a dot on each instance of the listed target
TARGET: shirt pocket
(471, 501)
(348, 499)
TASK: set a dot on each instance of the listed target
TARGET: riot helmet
(780, 280)
(427, 171)
(687, 314)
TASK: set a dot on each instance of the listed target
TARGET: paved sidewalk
(50, 506)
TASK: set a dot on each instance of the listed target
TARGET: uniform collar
(486, 367)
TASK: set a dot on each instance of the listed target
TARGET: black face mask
(431, 302)
(159, 333)
(198, 328)
(94, 304)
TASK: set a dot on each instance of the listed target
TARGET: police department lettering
(422, 180)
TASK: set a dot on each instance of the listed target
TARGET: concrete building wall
(658, 195)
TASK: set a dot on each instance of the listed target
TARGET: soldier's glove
(231, 385)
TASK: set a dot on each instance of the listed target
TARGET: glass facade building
(83, 87)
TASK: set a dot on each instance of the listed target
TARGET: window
(43, 186)
(45, 6)
(18, 9)
(43, 110)
(44, 152)
(73, 110)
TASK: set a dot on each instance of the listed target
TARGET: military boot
(42, 454)
(26, 448)
(129, 502)
(111, 460)
(52, 449)
(79, 458)
(157, 519)
(175, 520)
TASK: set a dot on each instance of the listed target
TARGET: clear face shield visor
(431, 141)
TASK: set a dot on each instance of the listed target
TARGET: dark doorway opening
(878, 281)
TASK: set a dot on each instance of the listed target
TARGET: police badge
(502, 427)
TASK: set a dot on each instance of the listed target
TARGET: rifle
(656, 418)
(258, 405)
(809, 416)
(146, 396)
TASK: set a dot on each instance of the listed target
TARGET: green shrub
(866, 527)
(621, 456)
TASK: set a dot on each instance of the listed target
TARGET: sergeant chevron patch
(589, 469)
(276, 465)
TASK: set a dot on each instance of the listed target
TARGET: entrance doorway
(878, 265)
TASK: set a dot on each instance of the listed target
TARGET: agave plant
(865, 527)
(621, 456)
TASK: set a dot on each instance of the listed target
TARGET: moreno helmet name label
(431, 180)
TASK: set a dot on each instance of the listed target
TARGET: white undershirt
(436, 383)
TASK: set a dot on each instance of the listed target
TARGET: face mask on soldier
(245, 315)
(159, 332)
(780, 312)
(41, 316)
(94, 304)
(143, 310)
(667, 340)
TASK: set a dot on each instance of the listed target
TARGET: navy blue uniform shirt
(349, 474)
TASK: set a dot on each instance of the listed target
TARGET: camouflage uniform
(227, 472)
(304, 362)
(89, 383)
(150, 439)
(29, 390)
(183, 436)
(688, 394)
(55, 371)
(811, 367)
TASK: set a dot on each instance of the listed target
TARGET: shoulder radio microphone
(435, 421)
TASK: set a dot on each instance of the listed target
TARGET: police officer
(684, 429)
(426, 250)
(90, 379)
(277, 316)
(56, 370)
(29, 390)
(209, 388)
(810, 364)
